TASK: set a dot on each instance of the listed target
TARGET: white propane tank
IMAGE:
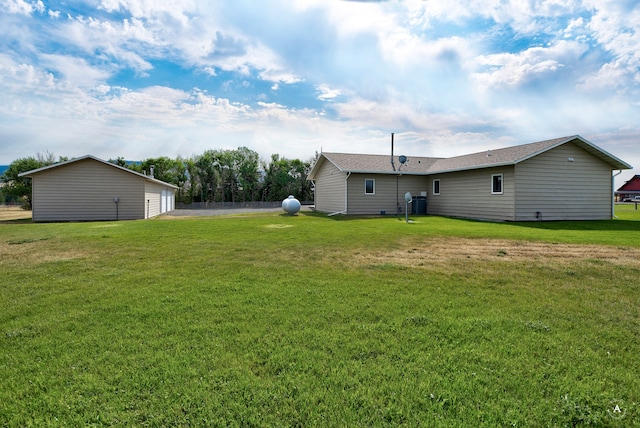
(291, 205)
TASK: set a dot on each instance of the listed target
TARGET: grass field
(275, 320)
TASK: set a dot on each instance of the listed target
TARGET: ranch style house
(90, 189)
(566, 178)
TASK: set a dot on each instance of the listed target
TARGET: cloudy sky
(147, 78)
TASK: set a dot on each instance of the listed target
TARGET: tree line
(214, 176)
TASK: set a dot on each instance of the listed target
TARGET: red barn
(629, 190)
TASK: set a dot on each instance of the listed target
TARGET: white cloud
(24, 78)
(75, 70)
(176, 10)
(192, 32)
(616, 27)
(20, 7)
(523, 16)
(576, 26)
(508, 69)
(279, 76)
(327, 93)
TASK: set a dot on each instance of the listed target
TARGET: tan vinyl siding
(561, 189)
(329, 195)
(84, 191)
(468, 194)
(389, 191)
(153, 199)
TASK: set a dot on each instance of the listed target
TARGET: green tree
(248, 174)
(239, 174)
(165, 169)
(227, 175)
(207, 174)
(19, 188)
(284, 177)
(192, 180)
(119, 161)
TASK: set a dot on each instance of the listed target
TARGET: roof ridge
(102, 161)
(511, 155)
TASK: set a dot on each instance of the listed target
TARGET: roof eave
(469, 168)
(606, 156)
(316, 166)
(29, 174)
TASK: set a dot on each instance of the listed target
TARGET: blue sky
(144, 78)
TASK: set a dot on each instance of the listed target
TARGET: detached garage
(91, 189)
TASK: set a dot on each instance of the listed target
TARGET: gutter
(613, 197)
(346, 197)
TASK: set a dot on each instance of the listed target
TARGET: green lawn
(275, 320)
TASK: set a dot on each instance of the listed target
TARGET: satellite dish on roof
(403, 161)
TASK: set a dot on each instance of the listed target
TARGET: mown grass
(273, 320)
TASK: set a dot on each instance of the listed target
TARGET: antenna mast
(392, 164)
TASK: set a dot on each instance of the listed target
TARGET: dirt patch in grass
(13, 213)
(440, 250)
(35, 251)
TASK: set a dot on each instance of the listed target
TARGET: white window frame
(433, 188)
(373, 181)
(493, 177)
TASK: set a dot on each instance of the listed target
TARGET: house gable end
(86, 190)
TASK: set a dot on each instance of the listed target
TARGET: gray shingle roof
(505, 156)
(82, 158)
(378, 163)
(363, 163)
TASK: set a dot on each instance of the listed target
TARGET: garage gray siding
(468, 194)
(329, 195)
(388, 190)
(85, 190)
(563, 189)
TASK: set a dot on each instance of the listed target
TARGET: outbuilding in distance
(91, 189)
(629, 191)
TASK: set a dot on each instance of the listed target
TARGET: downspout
(346, 197)
(313, 189)
(613, 194)
(398, 209)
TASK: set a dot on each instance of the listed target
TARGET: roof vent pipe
(392, 164)
(151, 168)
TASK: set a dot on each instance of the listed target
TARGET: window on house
(496, 184)
(369, 186)
(436, 187)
